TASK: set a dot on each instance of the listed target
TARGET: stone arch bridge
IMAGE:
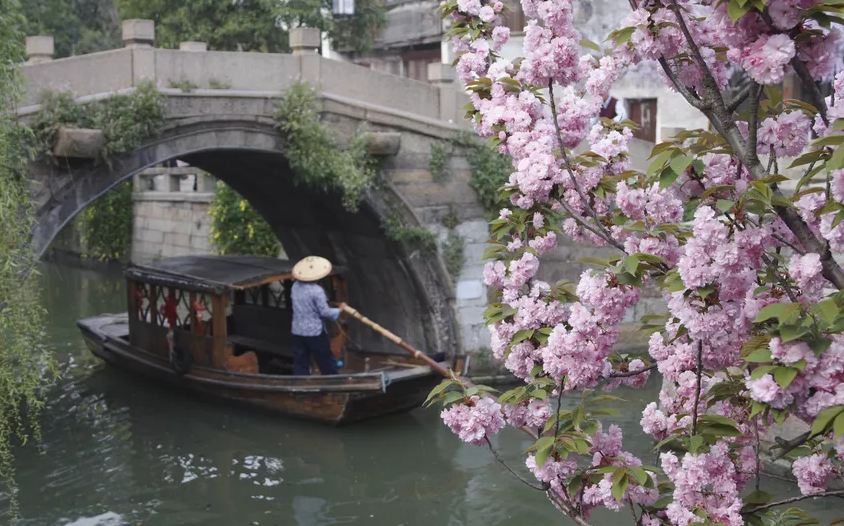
(224, 125)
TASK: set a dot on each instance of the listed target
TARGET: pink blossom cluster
(785, 135)
(706, 481)
(533, 413)
(475, 420)
(541, 107)
(813, 473)
(820, 383)
(578, 349)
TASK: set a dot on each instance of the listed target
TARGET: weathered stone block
(305, 40)
(469, 289)
(78, 142)
(138, 32)
(39, 48)
(383, 143)
(439, 73)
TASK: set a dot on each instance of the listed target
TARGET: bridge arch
(404, 290)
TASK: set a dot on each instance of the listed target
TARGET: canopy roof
(215, 273)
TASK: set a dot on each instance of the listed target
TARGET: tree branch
(633, 373)
(605, 235)
(521, 479)
(835, 493)
(722, 120)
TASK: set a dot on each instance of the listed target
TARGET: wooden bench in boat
(260, 345)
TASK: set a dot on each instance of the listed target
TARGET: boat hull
(336, 399)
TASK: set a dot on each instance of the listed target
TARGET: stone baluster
(138, 33)
(39, 48)
(305, 40)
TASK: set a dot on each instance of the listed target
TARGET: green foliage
(413, 237)
(106, 225)
(453, 253)
(25, 364)
(126, 120)
(77, 26)
(254, 25)
(490, 171)
(236, 228)
(438, 165)
(313, 153)
(185, 85)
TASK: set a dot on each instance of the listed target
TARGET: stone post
(442, 76)
(193, 46)
(138, 33)
(39, 48)
(305, 40)
(439, 73)
(205, 183)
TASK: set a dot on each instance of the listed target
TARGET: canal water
(117, 450)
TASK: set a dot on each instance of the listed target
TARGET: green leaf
(445, 384)
(695, 443)
(838, 425)
(780, 311)
(736, 11)
(452, 397)
(639, 474)
(759, 356)
(585, 42)
(543, 449)
(785, 375)
(680, 163)
(725, 205)
(620, 482)
(825, 418)
(837, 160)
(658, 162)
(667, 178)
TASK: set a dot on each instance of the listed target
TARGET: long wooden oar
(398, 341)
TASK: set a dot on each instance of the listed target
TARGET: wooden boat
(230, 339)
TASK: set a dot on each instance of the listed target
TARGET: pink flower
(474, 421)
(812, 473)
(704, 481)
(766, 58)
(806, 272)
(486, 14)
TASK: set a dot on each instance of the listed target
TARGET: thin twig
(633, 373)
(508, 468)
(835, 493)
(758, 461)
(697, 387)
(789, 445)
(740, 97)
(605, 233)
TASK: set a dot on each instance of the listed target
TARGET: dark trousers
(318, 347)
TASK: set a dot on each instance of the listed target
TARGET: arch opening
(404, 292)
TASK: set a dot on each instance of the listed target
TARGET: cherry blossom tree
(741, 253)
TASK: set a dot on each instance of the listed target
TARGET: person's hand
(341, 305)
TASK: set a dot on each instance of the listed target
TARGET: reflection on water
(118, 450)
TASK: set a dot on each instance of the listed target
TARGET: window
(514, 17)
(643, 112)
(416, 62)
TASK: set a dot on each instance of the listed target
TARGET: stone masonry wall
(171, 214)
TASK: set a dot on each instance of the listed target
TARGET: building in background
(413, 39)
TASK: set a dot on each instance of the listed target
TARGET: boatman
(310, 309)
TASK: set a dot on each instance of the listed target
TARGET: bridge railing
(106, 72)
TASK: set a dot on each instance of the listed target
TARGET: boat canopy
(212, 273)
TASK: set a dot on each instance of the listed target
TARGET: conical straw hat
(311, 268)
